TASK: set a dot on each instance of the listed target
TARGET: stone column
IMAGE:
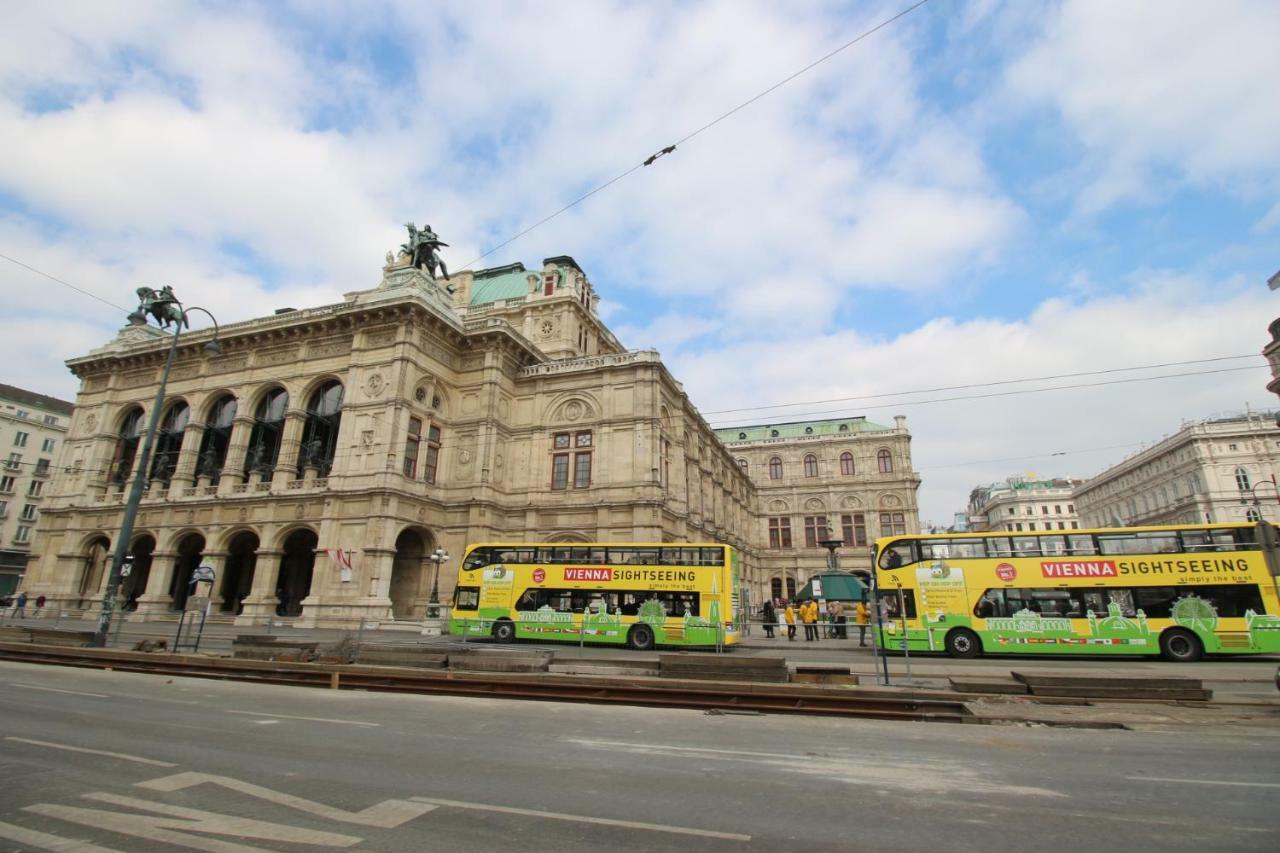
(290, 442)
(260, 604)
(155, 599)
(184, 473)
(233, 472)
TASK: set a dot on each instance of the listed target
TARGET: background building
(32, 427)
(407, 417)
(847, 473)
(1024, 504)
(1208, 471)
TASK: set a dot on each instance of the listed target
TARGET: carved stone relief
(374, 384)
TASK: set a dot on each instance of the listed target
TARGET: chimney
(900, 422)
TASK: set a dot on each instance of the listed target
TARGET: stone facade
(1021, 504)
(1209, 471)
(416, 415)
(849, 474)
(32, 428)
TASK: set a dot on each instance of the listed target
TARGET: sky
(979, 192)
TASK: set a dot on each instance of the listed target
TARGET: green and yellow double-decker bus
(1176, 591)
(634, 594)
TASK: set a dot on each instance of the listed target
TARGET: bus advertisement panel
(638, 595)
(1176, 591)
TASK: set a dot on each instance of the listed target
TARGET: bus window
(952, 549)
(999, 546)
(466, 598)
(890, 603)
(623, 556)
(528, 601)
(711, 556)
(1139, 543)
(587, 556)
(897, 554)
(1026, 546)
(478, 559)
(991, 604)
(1053, 546)
(1080, 544)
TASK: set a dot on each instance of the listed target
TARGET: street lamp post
(438, 557)
(165, 308)
(1253, 492)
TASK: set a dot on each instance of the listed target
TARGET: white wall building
(1215, 470)
(1021, 504)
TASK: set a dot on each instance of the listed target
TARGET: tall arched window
(268, 427)
(775, 588)
(846, 464)
(169, 442)
(126, 448)
(320, 434)
(775, 468)
(886, 462)
(1242, 479)
(811, 465)
(216, 438)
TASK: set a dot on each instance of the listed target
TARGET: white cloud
(1164, 84)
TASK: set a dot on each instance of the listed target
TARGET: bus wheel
(963, 643)
(640, 638)
(1179, 644)
(504, 631)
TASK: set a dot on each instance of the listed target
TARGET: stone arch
(851, 502)
(190, 546)
(779, 505)
(890, 501)
(566, 536)
(815, 503)
(571, 407)
(313, 384)
(238, 569)
(297, 563)
(143, 552)
(411, 572)
(93, 568)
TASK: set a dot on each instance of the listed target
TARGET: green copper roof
(799, 429)
(839, 586)
(511, 282)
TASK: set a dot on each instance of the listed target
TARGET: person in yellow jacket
(809, 614)
(789, 616)
(861, 617)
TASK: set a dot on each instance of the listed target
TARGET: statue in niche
(208, 465)
(421, 250)
(312, 453)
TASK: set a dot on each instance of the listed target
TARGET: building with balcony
(1215, 470)
(413, 415)
(1024, 504)
(32, 429)
(844, 478)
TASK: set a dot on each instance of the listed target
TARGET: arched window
(846, 464)
(1253, 514)
(320, 434)
(775, 468)
(775, 588)
(811, 465)
(126, 448)
(1242, 479)
(886, 462)
(268, 427)
(216, 438)
(742, 463)
(169, 442)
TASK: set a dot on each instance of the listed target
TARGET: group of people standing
(808, 614)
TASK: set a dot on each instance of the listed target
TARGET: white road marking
(56, 690)
(1204, 782)
(44, 841)
(604, 821)
(666, 748)
(266, 722)
(69, 748)
(312, 719)
(387, 814)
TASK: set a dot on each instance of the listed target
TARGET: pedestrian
(809, 614)
(860, 617)
(836, 610)
(39, 605)
(790, 616)
(20, 606)
(770, 616)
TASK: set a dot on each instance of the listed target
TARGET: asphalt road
(94, 761)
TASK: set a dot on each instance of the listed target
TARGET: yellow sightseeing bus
(635, 594)
(1176, 591)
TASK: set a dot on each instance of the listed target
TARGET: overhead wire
(688, 136)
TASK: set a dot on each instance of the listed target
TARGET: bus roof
(512, 544)
(1226, 525)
